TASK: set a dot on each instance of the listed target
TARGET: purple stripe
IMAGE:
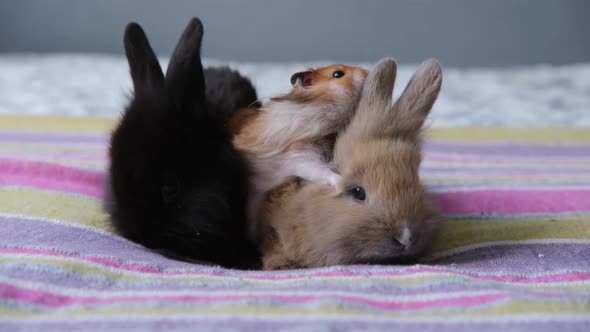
(510, 171)
(517, 216)
(98, 155)
(19, 232)
(471, 158)
(483, 185)
(289, 323)
(39, 137)
(511, 149)
(521, 258)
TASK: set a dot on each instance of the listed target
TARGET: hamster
(176, 184)
(292, 134)
(380, 212)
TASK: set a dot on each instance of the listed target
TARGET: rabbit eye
(358, 193)
(337, 74)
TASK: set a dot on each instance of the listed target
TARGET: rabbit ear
(373, 112)
(145, 69)
(378, 88)
(184, 78)
(415, 103)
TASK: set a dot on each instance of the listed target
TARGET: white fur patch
(406, 237)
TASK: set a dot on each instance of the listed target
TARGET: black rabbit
(228, 91)
(176, 184)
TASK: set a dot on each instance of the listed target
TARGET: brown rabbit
(379, 213)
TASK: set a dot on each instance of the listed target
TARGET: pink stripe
(560, 277)
(55, 300)
(49, 176)
(69, 179)
(514, 201)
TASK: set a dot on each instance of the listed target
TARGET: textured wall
(459, 32)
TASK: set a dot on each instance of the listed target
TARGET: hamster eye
(337, 74)
(358, 193)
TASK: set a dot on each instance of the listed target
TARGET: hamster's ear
(144, 67)
(415, 103)
(301, 79)
(184, 77)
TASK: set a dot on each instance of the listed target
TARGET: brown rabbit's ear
(415, 103)
(375, 103)
(378, 87)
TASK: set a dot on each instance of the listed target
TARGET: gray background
(458, 32)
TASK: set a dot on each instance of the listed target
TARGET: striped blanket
(514, 253)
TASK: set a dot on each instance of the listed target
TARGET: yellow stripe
(514, 307)
(494, 134)
(76, 266)
(54, 205)
(463, 232)
(56, 124)
(61, 124)
(525, 307)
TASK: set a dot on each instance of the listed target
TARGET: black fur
(228, 91)
(176, 184)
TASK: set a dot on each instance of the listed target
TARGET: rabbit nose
(405, 238)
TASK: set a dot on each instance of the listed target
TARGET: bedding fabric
(96, 85)
(513, 255)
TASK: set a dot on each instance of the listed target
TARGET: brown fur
(315, 101)
(293, 134)
(238, 120)
(309, 225)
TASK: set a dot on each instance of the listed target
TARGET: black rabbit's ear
(145, 69)
(184, 78)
